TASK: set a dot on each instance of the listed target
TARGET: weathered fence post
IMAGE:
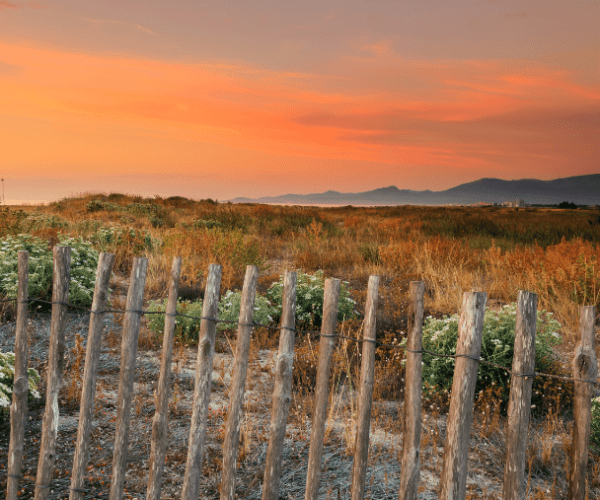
(88, 390)
(282, 393)
(161, 414)
(129, 343)
(367, 382)
(453, 481)
(317, 433)
(238, 385)
(18, 409)
(410, 471)
(519, 404)
(60, 295)
(585, 367)
(206, 351)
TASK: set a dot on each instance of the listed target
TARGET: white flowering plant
(497, 346)
(84, 261)
(310, 289)
(7, 376)
(188, 329)
(230, 305)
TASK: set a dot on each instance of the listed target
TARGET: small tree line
(454, 471)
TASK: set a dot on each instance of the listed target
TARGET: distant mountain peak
(581, 190)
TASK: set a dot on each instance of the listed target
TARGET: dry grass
(554, 253)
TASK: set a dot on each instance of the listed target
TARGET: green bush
(229, 309)
(188, 329)
(94, 206)
(84, 261)
(595, 424)
(99, 206)
(7, 377)
(310, 289)
(498, 338)
(208, 224)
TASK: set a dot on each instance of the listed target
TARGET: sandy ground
(485, 465)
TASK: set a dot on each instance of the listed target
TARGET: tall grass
(552, 252)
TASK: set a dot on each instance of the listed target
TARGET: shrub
(7, 376)
(188, 329)
(498, 338)
(595, 424)
(310, 289)
(566, 204)
(208, 224)
(94, 206)
(84, 261)
(99, 206)
(230, 305)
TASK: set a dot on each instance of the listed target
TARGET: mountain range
(581, 190)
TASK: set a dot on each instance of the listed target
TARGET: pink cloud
(30, 5)
(36, 5)
(7, 5)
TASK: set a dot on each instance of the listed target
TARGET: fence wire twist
(311, 332)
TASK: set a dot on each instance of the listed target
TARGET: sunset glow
(77, 115)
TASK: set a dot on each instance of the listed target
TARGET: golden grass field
(554, 253)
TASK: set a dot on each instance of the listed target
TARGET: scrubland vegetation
(552, 252)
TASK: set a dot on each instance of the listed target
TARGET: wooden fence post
(317, 433)
(238, 385)
(129, 343)
(410, 471)
(282, 393)
(161, 414)
(60, 293)
(453, 481)
(519, 404)
(18, 409)
(206, 351)
(88, 389)
(585, 366)
(367, 382)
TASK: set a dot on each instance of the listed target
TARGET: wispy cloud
(29, 5)
(7, 5)
(509, 117)
(37, 5)
(124, 23)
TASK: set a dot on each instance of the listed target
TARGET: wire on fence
(314, 332)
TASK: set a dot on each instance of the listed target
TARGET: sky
(248, 98)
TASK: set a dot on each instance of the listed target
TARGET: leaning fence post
(131, 331)
(161, 415)
(367, 381)
(317, 433)
(585, 367)
(18, 409)
(88, 389)
(282, 393)
(453, 481)
(206, 352)
(60, 295)
(519, 404)
(238, 385)
(410, 471)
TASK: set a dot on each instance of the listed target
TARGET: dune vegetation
(552, 252)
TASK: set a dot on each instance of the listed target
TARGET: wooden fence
(454, 470)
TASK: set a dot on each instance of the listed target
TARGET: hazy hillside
(582, 190)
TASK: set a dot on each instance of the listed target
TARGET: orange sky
(76, 119)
